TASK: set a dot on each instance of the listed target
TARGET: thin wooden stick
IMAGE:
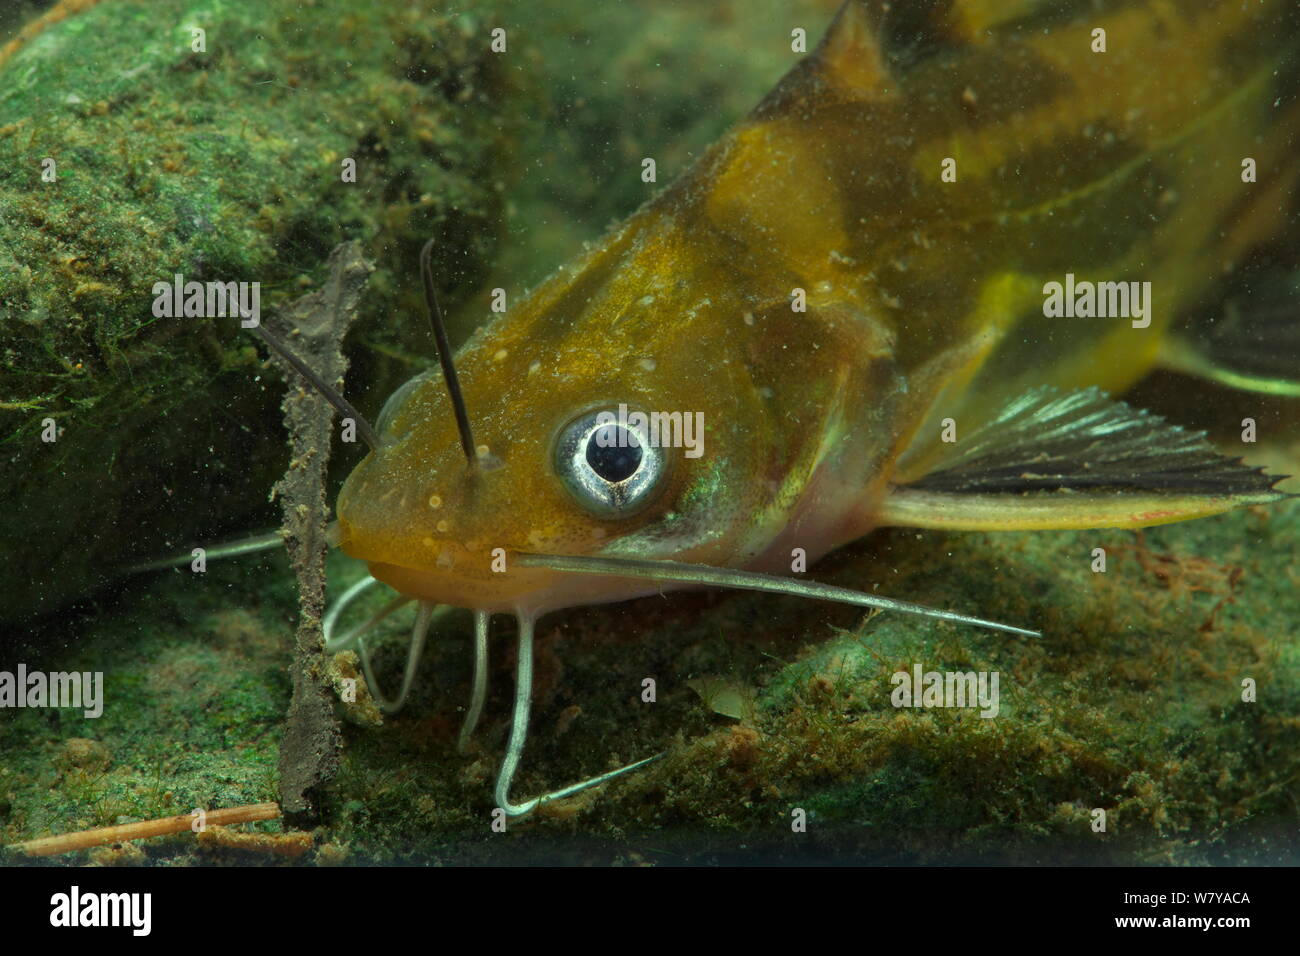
(102, 836)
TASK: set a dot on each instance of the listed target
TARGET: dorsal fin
(849, 65)
(868, 45)
(871, 44)
(851, 57)
(900, 32)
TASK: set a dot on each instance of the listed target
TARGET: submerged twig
(290, 846)
(103, 836)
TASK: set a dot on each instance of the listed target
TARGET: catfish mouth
(480, 576)
(529, 584)
(521, 588)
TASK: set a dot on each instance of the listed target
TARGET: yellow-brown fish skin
(924, 297)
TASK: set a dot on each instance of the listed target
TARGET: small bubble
(500, 356)
(442, 526)
(435, 502)
(749, 318)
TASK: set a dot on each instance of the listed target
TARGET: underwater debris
(309, 753)
(183, 823)
(724, 697)
(289, 846)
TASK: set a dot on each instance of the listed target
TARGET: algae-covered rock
(141, 139)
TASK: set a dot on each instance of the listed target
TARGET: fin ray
(1076, 460)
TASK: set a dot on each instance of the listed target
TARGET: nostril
(485, 460)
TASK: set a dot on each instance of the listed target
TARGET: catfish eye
(608, 464)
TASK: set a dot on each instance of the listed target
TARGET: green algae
(195, 689)
(222, 164)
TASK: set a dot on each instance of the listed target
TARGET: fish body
(826, 300)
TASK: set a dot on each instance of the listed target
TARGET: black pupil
(613, 453)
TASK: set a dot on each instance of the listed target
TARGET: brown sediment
(288, 845)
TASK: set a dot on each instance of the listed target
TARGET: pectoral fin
(1253, 351)
(1075, 460)
(1252, 342)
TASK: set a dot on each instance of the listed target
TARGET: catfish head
(636, 408)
